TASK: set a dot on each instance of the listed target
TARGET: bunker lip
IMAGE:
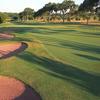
(6, 36)
(11, 49)
(13, 89)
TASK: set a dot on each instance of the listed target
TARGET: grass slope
(62, 62)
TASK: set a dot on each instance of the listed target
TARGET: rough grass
(62, 62)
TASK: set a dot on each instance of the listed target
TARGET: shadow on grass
(87, 81)
(74, 45)
(44, 30)
(55, 23)
(21, 39)
(81, 46)
(46, 23)
(90, 33)
(29, 94)
(88, 57)
(24, 30)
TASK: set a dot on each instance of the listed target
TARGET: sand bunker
(12, 89)
(10, 49)
(6, 36)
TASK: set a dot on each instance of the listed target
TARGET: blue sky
(19, 5)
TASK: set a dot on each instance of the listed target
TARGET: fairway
(61, 61)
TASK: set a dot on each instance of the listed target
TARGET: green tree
(12, 16)
(88, 7)
(21, 16)
(65, 8)
(49, 9)
(98, 12)
(27, 14)
(59, 9)
(3, 17)
(46, 11)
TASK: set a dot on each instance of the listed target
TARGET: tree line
(67, 10)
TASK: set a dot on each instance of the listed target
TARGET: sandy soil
(6, 36)
(12, 89)
(10, 49)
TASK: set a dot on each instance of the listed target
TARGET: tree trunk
(63, 20)
(49, 18)
(62, 15)
(87, 21)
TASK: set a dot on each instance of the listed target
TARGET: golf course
(58, 61)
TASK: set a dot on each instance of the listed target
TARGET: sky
(19, 5)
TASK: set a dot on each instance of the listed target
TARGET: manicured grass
(62, 61)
